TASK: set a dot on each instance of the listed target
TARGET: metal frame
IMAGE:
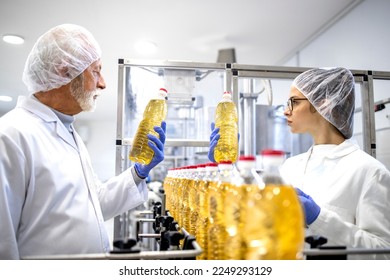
(234, 72)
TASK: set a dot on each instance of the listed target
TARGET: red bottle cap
(272, 153)
(246, 158)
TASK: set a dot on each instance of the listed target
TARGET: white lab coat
(353, 191)
(50, 200)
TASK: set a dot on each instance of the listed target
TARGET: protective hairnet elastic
(332, 93)
(59, 56)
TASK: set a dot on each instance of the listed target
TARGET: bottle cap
(162, 93)
(225, 162)
(272, 153)
(202, 165)
(247, 158)
(212, 166)
(227, 95)
(272, 157)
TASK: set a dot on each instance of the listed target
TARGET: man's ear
(64, 72)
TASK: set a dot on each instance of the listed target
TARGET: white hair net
(332, 93)
(59, 56)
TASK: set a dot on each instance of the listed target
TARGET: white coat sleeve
(120, 194)
(13, 177)
(372, 226)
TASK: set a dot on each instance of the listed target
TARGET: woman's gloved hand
(157, 145)
(311, 209)
(214, 137)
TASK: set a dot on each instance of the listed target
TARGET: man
(50, 199)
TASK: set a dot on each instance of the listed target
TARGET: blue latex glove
(311, 209)
(157, 145)
(214, 137)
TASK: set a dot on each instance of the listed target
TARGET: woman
(344, 191)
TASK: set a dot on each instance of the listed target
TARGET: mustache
(95, 92)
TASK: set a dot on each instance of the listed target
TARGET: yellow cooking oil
(194, 198)
(203, 221)
(275, 229)
(226, 119)
(236, 208)
(288, 221)
(183, 198)
(154, 113)
(188, 187)
(217, 230)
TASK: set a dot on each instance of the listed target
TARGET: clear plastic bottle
(217, 230)
(203, 221)
(154, 113)
(184, 215)
(281, 202)
(168, 186)
(236, 208)
(177, 200)
(194, 198)
(226, 118)
(289, 221)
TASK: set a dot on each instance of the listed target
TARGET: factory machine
(194, 89)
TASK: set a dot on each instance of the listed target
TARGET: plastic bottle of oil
(178, 191)
(236, 208)
(288, 218)
(168, 186)
(184, 215)
(226, 118)
(203, 221)
(217, 230)
(194, 197)
(276, 210)
(154, 113)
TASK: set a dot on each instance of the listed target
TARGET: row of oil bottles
(236, 212)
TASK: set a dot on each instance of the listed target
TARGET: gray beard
(85, 99)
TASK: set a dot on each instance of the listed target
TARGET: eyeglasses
(291, 102)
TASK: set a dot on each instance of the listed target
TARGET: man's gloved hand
(214, 137)
(311, 209)
(157, 145)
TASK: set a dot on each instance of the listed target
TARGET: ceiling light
(5, 98)
(13, 39)
(145, 47)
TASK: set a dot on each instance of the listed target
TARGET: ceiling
(262, 32)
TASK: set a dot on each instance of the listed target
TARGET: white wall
(359, 41)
